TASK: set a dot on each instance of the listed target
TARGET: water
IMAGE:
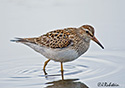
(27, 72)
(21, 67)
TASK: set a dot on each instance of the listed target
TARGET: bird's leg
(45, 66)
(62, 71)
(61, 66)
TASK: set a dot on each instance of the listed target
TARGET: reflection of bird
(62, 45)
(70, 83)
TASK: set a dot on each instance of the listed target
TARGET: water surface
(85, 71)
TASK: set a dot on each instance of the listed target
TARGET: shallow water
(85, 71)
(21, 67)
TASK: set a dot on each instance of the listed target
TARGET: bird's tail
(19, 40)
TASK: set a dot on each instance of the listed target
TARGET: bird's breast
(82, 47)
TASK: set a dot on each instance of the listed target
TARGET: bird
(62, 45)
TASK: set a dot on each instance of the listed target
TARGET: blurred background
(32, 18)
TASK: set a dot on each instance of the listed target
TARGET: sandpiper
(62, 45)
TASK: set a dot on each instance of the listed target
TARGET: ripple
(20, 77)
(85, 68)
(95, 68)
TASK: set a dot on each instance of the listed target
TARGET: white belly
(61, 55)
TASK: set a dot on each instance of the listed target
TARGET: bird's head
(89, 33)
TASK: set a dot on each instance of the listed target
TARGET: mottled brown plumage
(54, 39)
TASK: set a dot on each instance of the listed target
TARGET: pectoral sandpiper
(62, 45)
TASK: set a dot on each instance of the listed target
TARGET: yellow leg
(62, 71)
(61, 66)
(45, 64)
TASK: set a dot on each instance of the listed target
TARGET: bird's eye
(87, 31)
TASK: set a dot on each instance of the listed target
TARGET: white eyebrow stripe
(86, 29)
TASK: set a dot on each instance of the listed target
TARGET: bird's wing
(54, 39)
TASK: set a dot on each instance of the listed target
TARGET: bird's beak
(95, 40)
